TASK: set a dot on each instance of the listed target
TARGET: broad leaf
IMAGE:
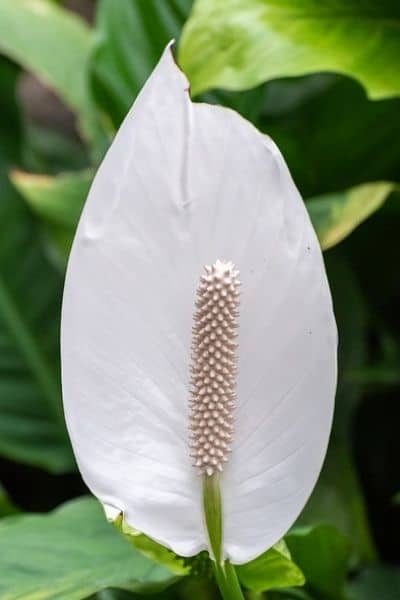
(130, 38)
(54, 44)
(57, 200)
(334, 216)
(237, 44)
(273, 569)
(69, 554)
(323, 554)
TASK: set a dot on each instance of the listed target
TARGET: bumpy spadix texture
(182, 185)
(214, 367)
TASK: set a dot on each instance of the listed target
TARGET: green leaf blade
(323, 554)
(237, 44)
(70, 554)
(272, 570)
(336, 215)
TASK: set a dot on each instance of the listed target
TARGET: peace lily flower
(180, 380)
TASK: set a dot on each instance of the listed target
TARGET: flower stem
(225, 573)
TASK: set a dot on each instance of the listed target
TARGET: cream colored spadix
(214, 367)
(183, 185)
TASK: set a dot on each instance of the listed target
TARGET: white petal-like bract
(183, 185)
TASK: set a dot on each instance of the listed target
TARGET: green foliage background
(323, 80)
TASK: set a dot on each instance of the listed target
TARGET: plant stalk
(224, 572)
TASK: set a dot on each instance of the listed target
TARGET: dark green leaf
(323, 554)
(130, 37)
(32, 426)
(273, 569)
(69, 554)
(378, 583)
(47, 151)
(291, 594)
(337, 498)
(6, 506)
(352, 317)
(236, 44)
(331, 135)
(10, 120)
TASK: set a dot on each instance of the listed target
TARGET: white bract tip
(183, 184)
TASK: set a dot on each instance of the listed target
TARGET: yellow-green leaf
(336, 215)
(58, 201)
(152, 549)
(273, 569)
(237, 44)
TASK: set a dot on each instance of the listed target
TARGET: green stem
(227, 581)
(225, 573)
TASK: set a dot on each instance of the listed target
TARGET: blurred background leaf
(31, 420)
(55, 45)
(334, 216)
(130, 37)
(337, 498)
(58, 201)
(6, 506)
(374, 583)
(331, 135)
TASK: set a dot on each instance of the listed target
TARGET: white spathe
(183, 185)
